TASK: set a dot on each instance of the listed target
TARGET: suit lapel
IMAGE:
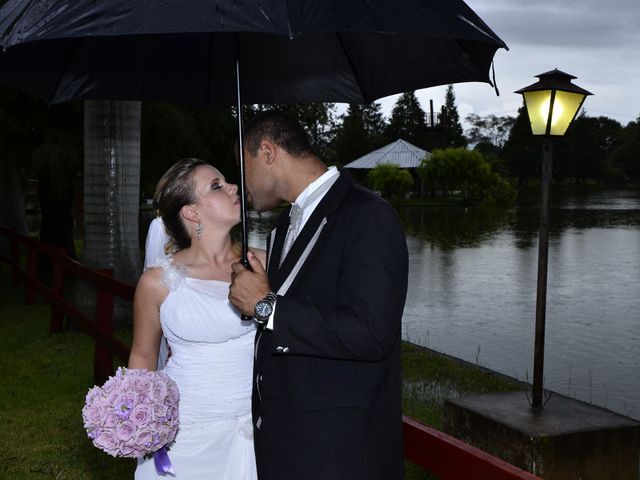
(316, 221)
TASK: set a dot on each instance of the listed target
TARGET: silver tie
(295, 220)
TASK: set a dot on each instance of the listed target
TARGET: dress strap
(173, 274)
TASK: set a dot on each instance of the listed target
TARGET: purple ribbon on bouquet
(162, 462)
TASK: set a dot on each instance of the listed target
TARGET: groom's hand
(248, 287)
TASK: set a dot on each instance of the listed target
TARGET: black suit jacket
(327, 391)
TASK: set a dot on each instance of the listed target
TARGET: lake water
(473, 290)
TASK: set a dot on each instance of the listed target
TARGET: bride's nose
(233, 188)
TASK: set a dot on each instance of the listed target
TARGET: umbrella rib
(355, 74)
(8, 33)
(64, 72)
(286, 11)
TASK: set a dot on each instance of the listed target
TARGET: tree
(488, 135)
(112, 193)
(374, 124)
(453, 134)
(218, 130)
(522, 152)
(361, 131)
(57, 164)
(169, 133)
(352, 138)
(391, 181)
(489, 130)
(44, 142)
(407, 121)
(582, 153)
(20, 115)
(317, 118)
(466, 171)
(626, 156)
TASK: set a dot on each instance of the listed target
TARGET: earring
(198, 230)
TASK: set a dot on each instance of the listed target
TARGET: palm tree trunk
(112, 192)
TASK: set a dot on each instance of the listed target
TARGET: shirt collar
(315, 185)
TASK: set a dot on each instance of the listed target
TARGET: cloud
(597, 41)
(578, 24)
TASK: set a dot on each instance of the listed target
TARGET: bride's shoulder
(149, 290)
(151, 279)
(164, 274)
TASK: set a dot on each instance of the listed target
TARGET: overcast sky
(597, 41)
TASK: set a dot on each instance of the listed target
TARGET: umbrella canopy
(288, 50)
(399, 153)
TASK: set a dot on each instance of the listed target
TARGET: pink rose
(139, 452)
(92, 415)
(128, 450)
(144, 438)
(153, 426)
(92, 393)
(125, 431)
(112, 397)
(143, 398)
(174, 393)
(141, 385)
(141, 415)
(166, 434)
(159, 390)
(110, 420)
(160, 410)
(110, 384)
(107, 442)
(172, 413)
(125, 384)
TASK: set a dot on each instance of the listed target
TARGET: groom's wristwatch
(264, 308)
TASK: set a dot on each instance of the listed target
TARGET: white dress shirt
(326, 180)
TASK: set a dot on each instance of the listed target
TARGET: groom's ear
(268, 150)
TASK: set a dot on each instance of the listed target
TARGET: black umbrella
(192, 52)
(291, 51)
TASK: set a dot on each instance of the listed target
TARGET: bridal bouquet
(133, 414)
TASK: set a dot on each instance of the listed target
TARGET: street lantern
(552, 103)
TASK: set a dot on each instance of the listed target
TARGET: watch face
(263, 309)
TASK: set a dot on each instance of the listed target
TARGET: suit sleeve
(370, 291)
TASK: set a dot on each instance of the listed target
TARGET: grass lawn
(44, 382)
(45, 379)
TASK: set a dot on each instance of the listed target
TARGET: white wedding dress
(211, 361)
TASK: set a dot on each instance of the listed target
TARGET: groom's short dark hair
(281, 129)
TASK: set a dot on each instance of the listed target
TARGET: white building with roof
(400, 153)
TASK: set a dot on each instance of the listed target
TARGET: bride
(184, 297)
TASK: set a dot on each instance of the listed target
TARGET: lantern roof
(554, 80)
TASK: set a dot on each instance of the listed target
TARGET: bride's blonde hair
(174, 190)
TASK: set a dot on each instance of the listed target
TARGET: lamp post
(552, 103)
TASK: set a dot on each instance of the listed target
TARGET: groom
(326, 392)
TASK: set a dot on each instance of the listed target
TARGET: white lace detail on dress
(173, 275)
(245, 427)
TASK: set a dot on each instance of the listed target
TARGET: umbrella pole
(243, 201)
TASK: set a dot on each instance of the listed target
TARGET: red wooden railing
(452, 459)
(106, 287)
(436, 452)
